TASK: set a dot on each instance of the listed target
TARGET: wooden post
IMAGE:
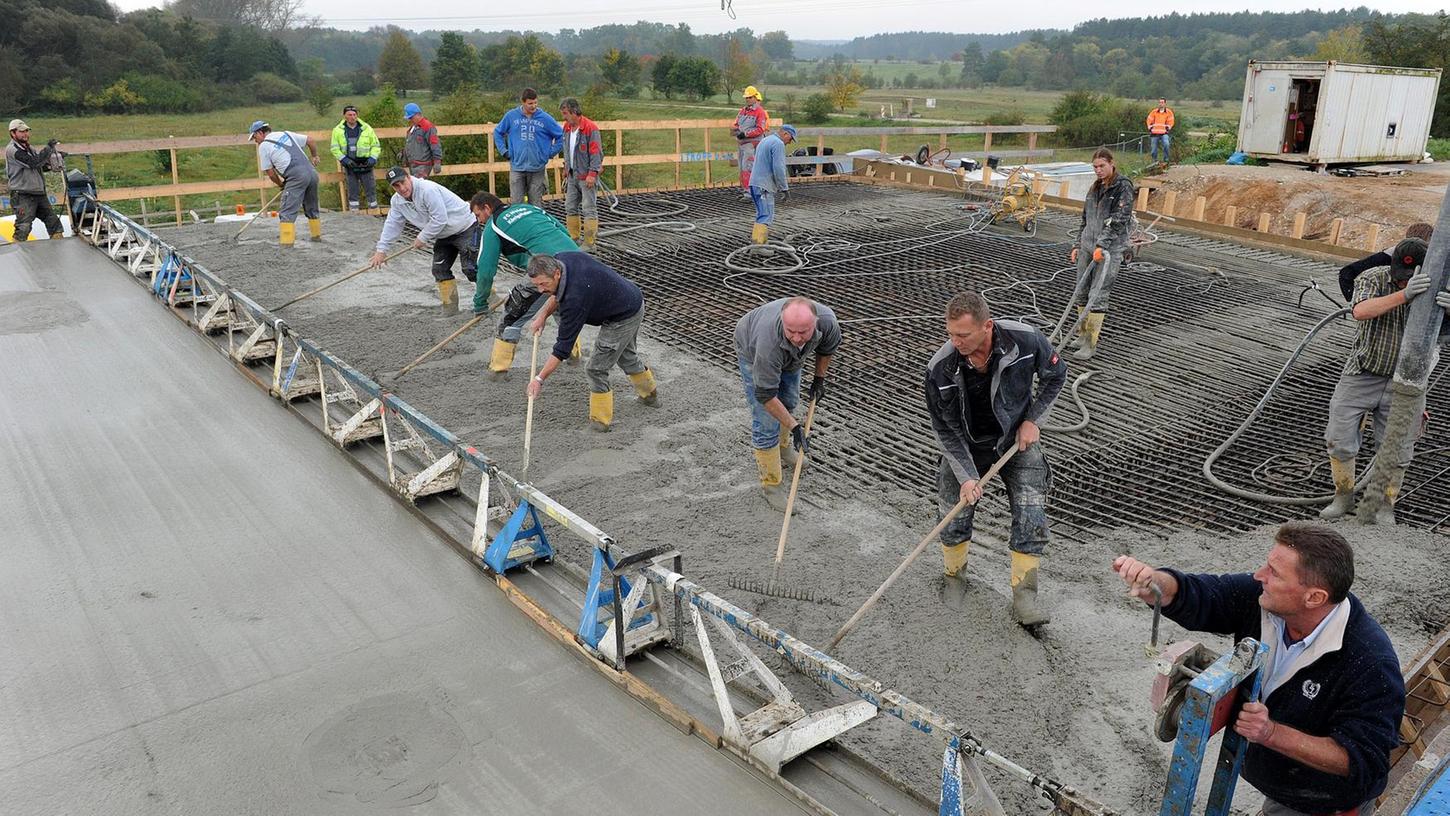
(1143, 199)
(679, 149)
(1062, 190)
(1039, 186)
(1334, 228)
(145, 221)
(176, 179)
(1170, 203)
(1263, 222)
(707, 157)
(559, 180)
(492, 176)
(1230, 216)
(1298, 229)
(883, 143)
(619, 154)
(942, 142)
(1031, 143)
(986, 174)
(1198, 205)
(987, 142)
(1372, 240)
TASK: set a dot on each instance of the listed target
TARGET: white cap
(18, 124)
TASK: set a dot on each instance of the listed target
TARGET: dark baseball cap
(347, 108)
(395, 173)
(1408, 254)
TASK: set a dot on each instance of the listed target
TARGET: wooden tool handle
(445, 341)
(795, 482)
(529, 418)
(349, 276)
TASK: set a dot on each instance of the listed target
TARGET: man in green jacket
(356, 149)
(516, 232)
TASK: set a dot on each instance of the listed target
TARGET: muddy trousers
(1355, 396)
(528, 184)
(615, 346)
(361, 182)
(30, 206)
(299, 194)
(764, 430)
(447, 250)
(580, 199)
(1027, 477)
(745, 156)
(1098, 284)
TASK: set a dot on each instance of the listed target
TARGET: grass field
(953, 105)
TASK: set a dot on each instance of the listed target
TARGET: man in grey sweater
(443, 220)
(24, 166)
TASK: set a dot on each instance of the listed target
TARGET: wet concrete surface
(205, 609)
(1070, 701)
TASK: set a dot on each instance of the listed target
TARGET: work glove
(782, 196)
(372, 163)
(347, 163)
(1098, 255)
(800, 440)
(1418, 284)
(818, 388)
(1442, 299)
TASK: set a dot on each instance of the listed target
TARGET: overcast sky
(801, 19)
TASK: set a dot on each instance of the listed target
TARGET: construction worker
(422, 150)
(770, 181)
(586, 292)
(356, 148)
(1107, 224)
(443, 220)
(1381, 304)
(583, 159)
(1160, 122)
(1332, 698)
(528, 137)
(751, 125)
(1350, 272)
(981, 397)
(281, 158)
(24, 174)
(772, 343)
(516, 232)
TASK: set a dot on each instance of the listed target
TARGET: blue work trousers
(764, 429)
(1159, 141)
(764, 204)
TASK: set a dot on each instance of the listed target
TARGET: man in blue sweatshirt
(587, 293)
(528, 137)
(1333, 695)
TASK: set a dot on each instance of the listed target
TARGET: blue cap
(411, 109)
(789, 129)
(256, 126)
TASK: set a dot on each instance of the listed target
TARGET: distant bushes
(1086, 119)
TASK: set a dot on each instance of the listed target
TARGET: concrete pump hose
(1254, 414)
(1081, 407)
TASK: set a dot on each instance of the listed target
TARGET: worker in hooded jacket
(1107, 226)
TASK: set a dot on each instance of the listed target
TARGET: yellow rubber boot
(788, 455)
(1092, 329)
(287, 234)
(576, 353)
(768, 461)
(448, 295)
(314, 228)
(601, 410)
(644, 386)
(1386, 514)
(1077, 339)
(572, 223)
(759, 233)
(954, 558)
(1024, 590)
(501, 358)
(1343, 472)
(591, 234)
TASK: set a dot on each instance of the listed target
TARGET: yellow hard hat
(750, 91)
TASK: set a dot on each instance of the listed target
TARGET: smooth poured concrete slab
(205, 609)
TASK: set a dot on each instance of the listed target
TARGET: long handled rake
(254, 218)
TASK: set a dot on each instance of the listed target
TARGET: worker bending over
(751, 125)
(281, 158)
(768, 179)
(1381, 304)
(583, 160)
(586, 292)
(516, 232)
(1107, 225)
(443, 220)
(772, 343)
(987, 388)
(1332, 695)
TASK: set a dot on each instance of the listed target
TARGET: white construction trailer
(1323, 113)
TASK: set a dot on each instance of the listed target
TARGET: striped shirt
(1376, 347)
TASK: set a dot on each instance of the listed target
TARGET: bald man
(772, 343)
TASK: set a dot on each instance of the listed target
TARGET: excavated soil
(1069, 702)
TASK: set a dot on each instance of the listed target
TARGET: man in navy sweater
(585, 292)
(1333, 694)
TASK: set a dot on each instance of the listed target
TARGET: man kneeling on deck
(586, 292)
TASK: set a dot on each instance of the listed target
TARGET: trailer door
(1266, 109)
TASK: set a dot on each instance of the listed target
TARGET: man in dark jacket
(24, 166)
(585, 292)
(1333, 695)
(1350, 272)
(1107, 227)
(981, 396)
